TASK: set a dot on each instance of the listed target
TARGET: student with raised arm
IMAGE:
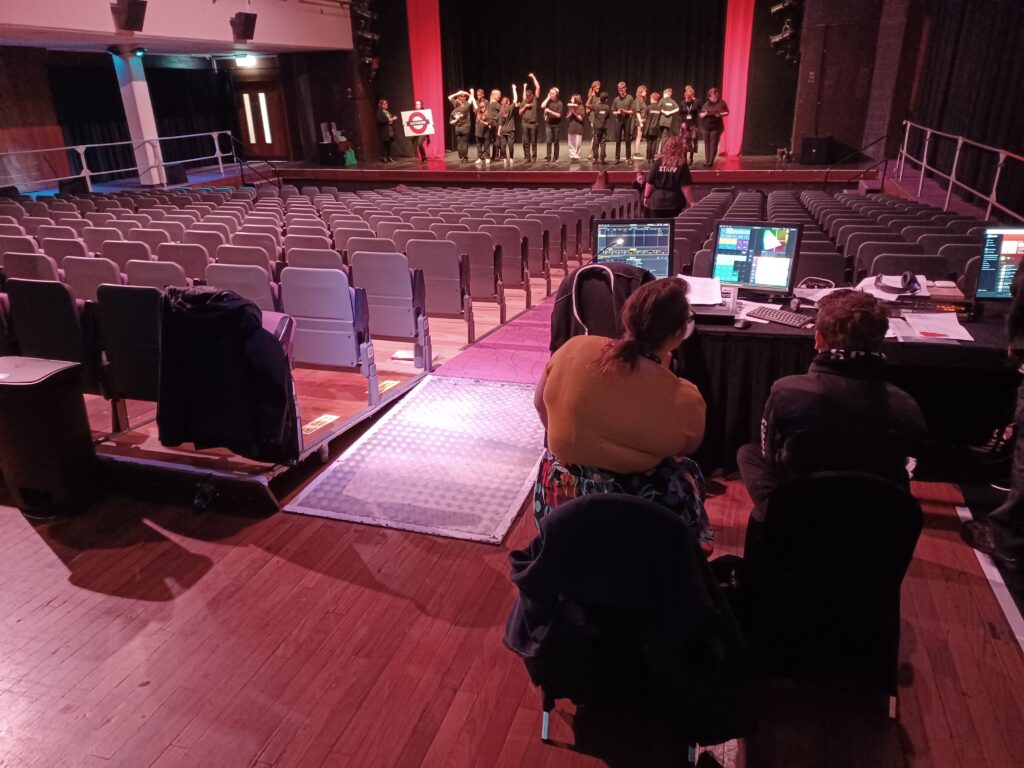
(529, 112)
(507, 126)
(553, 111)
(460, 120)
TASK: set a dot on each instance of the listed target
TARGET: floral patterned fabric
(676, 484)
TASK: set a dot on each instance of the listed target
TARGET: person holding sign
(420, 141)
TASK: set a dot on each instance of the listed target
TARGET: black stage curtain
(189, 101)
(970, 85)
(771, 89)
(569, 43)
(89, 109)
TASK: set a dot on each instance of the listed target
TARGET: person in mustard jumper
(619, 421)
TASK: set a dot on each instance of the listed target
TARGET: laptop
(644, 243)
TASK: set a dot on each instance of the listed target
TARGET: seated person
(618, 420)
(839, 416)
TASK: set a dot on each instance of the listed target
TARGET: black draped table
(965, 389)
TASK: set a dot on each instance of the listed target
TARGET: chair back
(191, 257)
(30, 266)
(122, 251)
(245, 254)
(155, 274)
(387, 280)
(129, 320)
(59, 249)
(17, 244)
(324, 308)
(932, 267)
(315, 258)
(47, 323)
(85, 274)
(484, 269)
(95, 237)
(443, 275)
(248, 281)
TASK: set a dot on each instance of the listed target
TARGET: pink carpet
(516, 352)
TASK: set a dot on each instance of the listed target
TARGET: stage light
(785, 4)
(787, 33)
(246, 61)
(140, 52)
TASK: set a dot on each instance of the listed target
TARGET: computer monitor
(645, 243)
(1002, 252)
(756, 257)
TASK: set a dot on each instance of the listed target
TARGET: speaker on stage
(176, 174)
(77, 186)
(9, 192)
(129, 15)
(243, 25)
(815, 150)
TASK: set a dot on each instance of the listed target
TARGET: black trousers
(530, 140)
(623, 135)
(711, 138)
(552, 137)
(462, 142)
(418, 142)
(507, 144)
(385, 149)
(484, 143)
(652, 147)
(757, 476)
(599, 146)
(665, 213)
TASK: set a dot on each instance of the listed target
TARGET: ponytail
(619, 355)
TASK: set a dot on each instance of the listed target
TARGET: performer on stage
(385, 130)
(553, 111)
(689, 109)
(574, 118)
(652, 128)
(529, 112)
(492, 118)
(712, 124)
(669, 112)
(507, 126)
(420, 143)
(461, 120)
(622, 112)
(592, 94)
(483, 147)
(639, 119)
(600, 116)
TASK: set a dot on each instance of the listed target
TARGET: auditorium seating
(155, 274)
(247, 280)
(446, 279)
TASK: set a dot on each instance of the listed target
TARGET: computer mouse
(742, 323)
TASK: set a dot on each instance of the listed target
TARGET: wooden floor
(142, 635)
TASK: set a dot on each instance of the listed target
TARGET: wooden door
(262, 119)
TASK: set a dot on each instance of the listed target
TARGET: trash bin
(47, 457)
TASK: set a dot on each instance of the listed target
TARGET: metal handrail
(857, 153)
(961, 141)
(242, 161)
(88, 174)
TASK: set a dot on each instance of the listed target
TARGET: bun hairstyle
(652, 315)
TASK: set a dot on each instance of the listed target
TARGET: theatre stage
(752, 170)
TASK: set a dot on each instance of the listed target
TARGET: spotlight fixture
(787, 33)
(246, 61)
(140, 52)
(784, 5)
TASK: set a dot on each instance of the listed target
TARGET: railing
(1002, 156)
(243, 164)
(856, 155)
(87, 174)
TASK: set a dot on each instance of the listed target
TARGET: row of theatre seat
(847, 236)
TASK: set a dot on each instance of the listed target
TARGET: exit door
(262, 120)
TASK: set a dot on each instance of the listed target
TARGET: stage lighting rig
(785, 5)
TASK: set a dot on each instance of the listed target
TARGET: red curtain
(739, 21)
(425, 55)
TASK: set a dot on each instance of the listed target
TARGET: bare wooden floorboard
(140, 635)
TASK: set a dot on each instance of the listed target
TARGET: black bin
(47, 457)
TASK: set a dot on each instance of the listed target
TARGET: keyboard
(780, 316)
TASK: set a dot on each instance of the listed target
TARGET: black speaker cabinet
(176, 174)
(243, 25)
(73, 187)
(130, 15)
(815, 150)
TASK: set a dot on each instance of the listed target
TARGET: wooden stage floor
(141, 635)
(755, 170)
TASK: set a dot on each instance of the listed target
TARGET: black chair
(617, 607)
(822, 584)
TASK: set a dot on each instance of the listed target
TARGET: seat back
(175, 229)
(250, 282)
(828, 609)
(443, 275)
(155, 274)
(55, 231)
(444, 231)
(369, 245)
(825, 266)
(192, 258)
(85, 274)
(305, 241)
(95, 237)
(389, 228)
(388, 284)
(514, 268)
(315, 258)
(129, 320)
(245, 254)
(328, 326)
(932, 267)
(59, 249)
(30, 266)
(702, 261)
(12, 230)
(46, 321)
(211, 241)
(122, 251)
(152, 237)
(484, 269)
(17, 244)
(402, 237)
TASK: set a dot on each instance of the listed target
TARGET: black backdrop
(970, 85)
(771, 88)
(569, 43)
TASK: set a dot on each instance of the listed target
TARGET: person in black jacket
(669, 187)
(839, 416)
(385, 130)
(712, 124)
(1001, 534)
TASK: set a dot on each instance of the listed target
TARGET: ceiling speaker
(243, 25)
(129, 15)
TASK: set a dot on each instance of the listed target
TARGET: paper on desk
(937, 325)
(704, 291)
(814, 295)
(898, 329)
(867, 285)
